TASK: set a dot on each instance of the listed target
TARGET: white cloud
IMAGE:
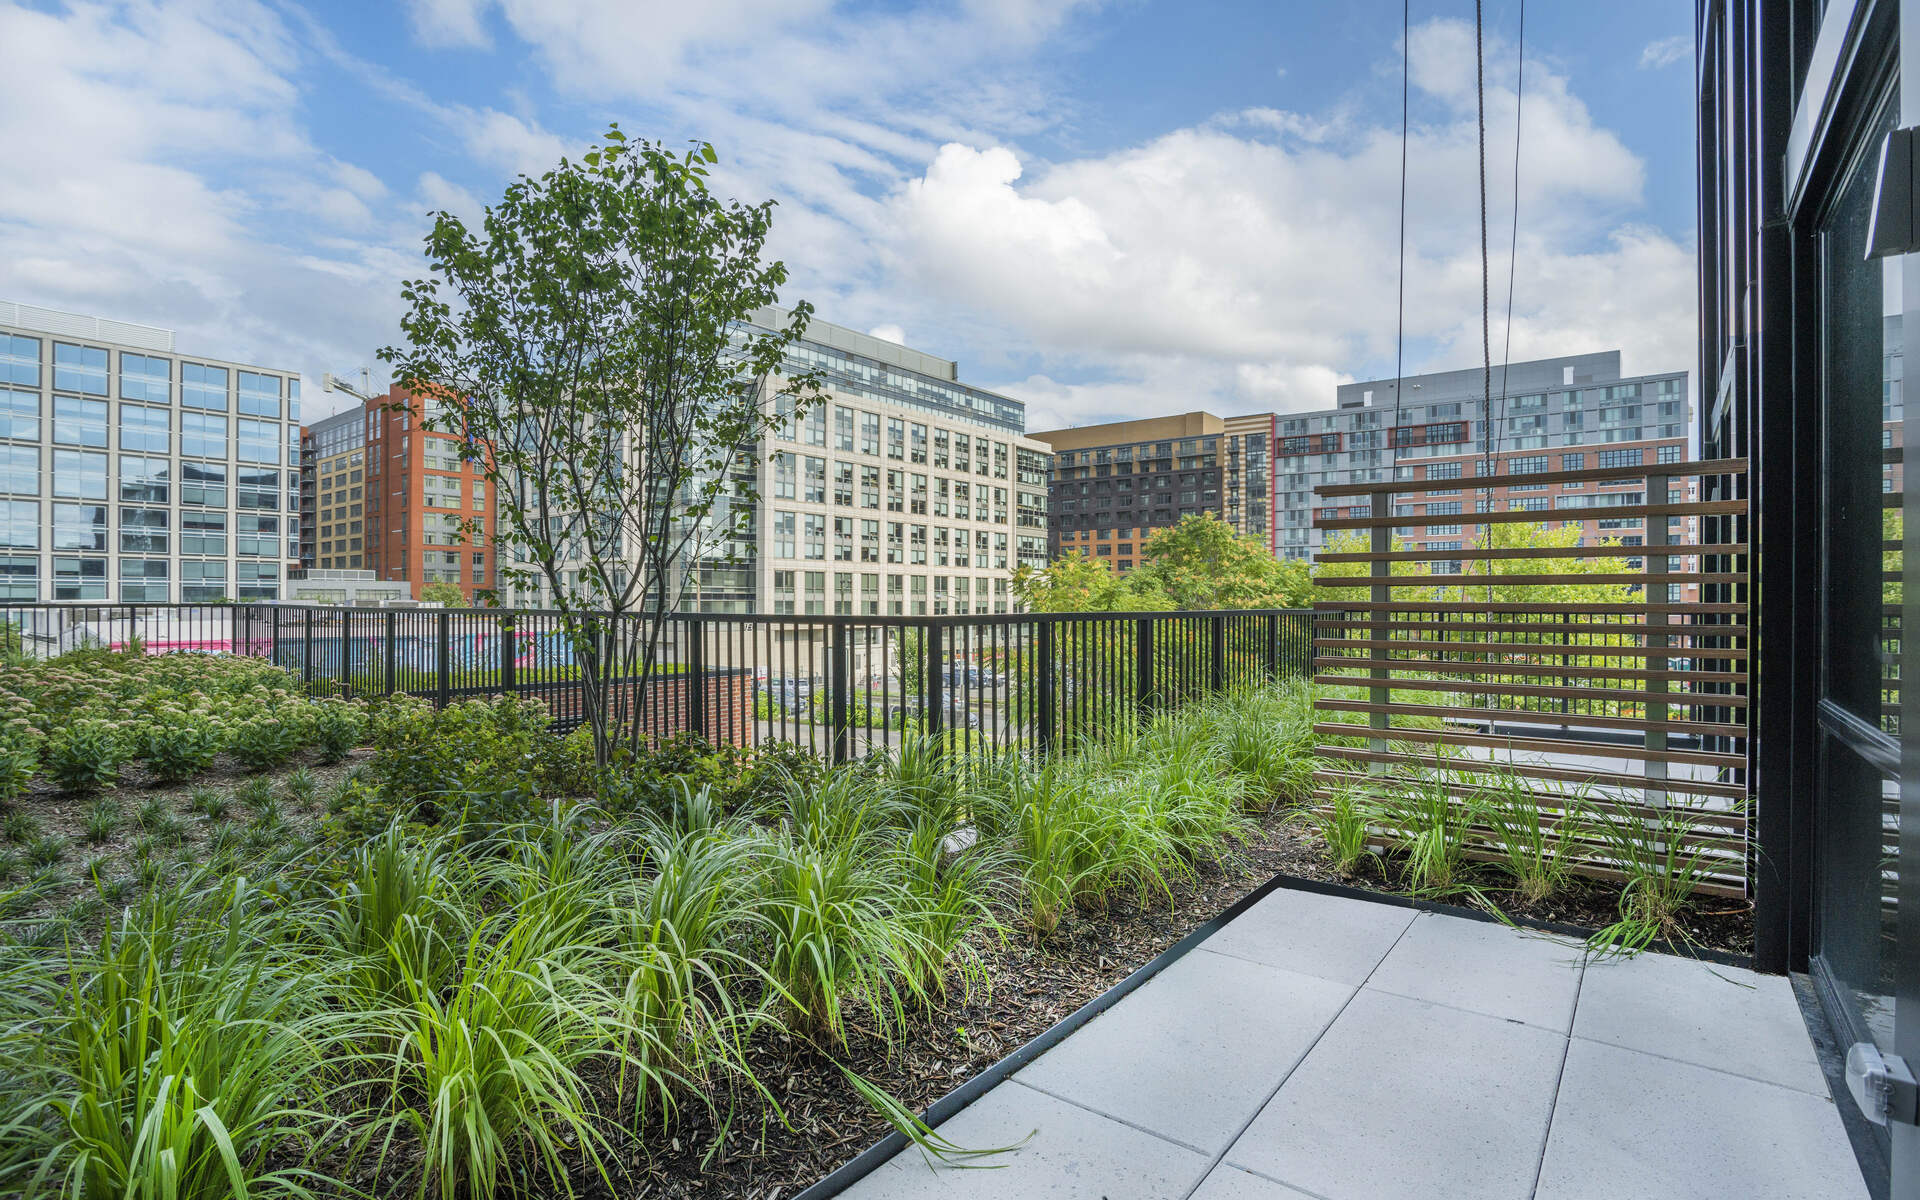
(1252, 260)
(1667, 51)
(448, 23)
(175, 184)
(889, 333)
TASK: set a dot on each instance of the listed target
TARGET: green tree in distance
(442, 592)
(1201, 563)
(592, 332)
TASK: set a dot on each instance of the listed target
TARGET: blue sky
(1104, 207)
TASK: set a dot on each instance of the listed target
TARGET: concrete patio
(1349, 1050)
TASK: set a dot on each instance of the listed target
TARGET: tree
(1075, 582)
(442, 592)
(1201, 563)
(593, 335)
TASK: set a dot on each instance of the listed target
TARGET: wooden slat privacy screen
(1627, 701)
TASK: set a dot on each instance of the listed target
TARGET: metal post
(695, 675)
(391, 651)
(932, 689)
(1273, 645)
(443, 656)
(1143, 666)
(508, 647)
(246, 632)
(276, 638)
(1657, 659)
(1219, 623)
(1380, 693)
(1043, 691)
(306, 658)
(841, 735)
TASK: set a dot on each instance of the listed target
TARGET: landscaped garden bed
(468, 961)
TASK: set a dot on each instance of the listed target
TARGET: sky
(1105, 208)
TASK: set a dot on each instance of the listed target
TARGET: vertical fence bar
(306, 656)
(442, 655)
(1043, 686)
(694, 672)
(931, 697)
(1219, 674)
(1143, 664)
(391, 652)
(508, 645)
(1380, 692)
(1657, 660)
(840, 735)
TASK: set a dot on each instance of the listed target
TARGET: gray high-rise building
(131, 471)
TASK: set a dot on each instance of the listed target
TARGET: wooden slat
(1540, 691)
(1686, 787)
(1685, 813)
(1486, 553)
(1716, 466)
(1441, 667)
(1608, 629)
(1549, 649)
(1528, 716)
(1464, 580)
(1691, 508)
(1527, 745)
(1624, 609)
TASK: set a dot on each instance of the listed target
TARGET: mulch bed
(1030, 988)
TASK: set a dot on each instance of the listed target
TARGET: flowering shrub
(84, 755)
(17, 765)
(175, 711)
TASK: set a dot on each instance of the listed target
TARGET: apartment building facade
(1569, 413)
(136, 472)
(1112, 486)
(333, 484)
(905, 493)
(427, 515)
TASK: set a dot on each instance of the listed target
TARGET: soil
(73, 884)
(1029, 987)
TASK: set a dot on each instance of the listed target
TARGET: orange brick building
(420, 495)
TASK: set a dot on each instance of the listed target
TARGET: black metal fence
(837, 685)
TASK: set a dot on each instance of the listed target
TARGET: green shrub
(434, 759)
(84, 756)
(103, 820)
(18, 762)
(179, 752)
(338, 727)
(264, 743)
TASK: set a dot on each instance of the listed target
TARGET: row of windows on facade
(141, 579)
(1521, 464)
(87, 370)
(804, 478)
(1533, 402)
(855, 432)
(142, 530)
(905, 594)
(1352, 460)
(885, 385)
(804, 535)
(81, 422)
(83, 475)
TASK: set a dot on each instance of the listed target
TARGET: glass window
(19, 360)
(19, 577)
(80, 527)
(146, 429)
(79, 578)
(202, 581)
(79, 475)
(258, 441)
(143, 530)
(19, 524)
(257, 534)
(260, 394)
(261, 581)
(79, 422)
(79, 369)
(203, 483)
(203, 387)
(203, 436)
(146, 379)
(20, 414)
(143, 480)
(203, 532)
(143, 580)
